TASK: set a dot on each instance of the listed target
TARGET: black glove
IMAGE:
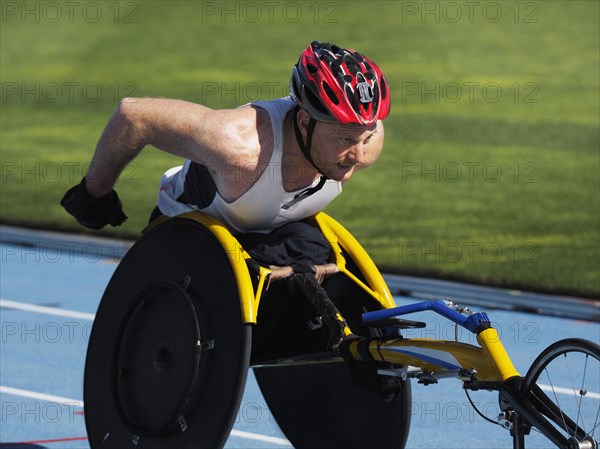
(94, 213)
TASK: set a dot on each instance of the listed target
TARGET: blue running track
(49, 295)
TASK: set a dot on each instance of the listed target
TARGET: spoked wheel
(563, 384)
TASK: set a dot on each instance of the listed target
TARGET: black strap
(305, 147)
(305, 193)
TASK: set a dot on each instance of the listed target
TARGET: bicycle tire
(568, 404)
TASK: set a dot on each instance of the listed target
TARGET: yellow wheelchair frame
(335, 234)
(490, 360)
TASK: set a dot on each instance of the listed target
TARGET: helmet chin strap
(305, 147)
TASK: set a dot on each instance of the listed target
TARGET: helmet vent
(352, 98)
(383, 89)
(358, 56)
(316, 102)
(376, 94)
(312, 68)
(331, 94)
(329, 59)
(352, 64)
(336, 69)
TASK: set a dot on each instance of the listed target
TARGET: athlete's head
(347, 94)
(339, 85)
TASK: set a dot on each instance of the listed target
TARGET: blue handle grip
(471, 322)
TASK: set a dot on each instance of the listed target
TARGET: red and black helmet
(339, 85)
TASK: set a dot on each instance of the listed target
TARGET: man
(257, 167)
(261, 169)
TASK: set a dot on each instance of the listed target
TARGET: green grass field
(490, 171)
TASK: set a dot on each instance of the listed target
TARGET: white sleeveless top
(264, 207)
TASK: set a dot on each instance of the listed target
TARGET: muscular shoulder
(246, 149)
(229, 137)
(246, 137)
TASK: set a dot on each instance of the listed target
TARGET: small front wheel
(563, 384)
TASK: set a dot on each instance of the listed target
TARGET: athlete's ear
(303, 119)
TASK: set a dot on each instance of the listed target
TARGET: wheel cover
(168, 354)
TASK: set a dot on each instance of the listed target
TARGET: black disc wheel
(563, 384)
(168, 354)
(319, 405)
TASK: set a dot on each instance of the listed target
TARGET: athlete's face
(341, 150)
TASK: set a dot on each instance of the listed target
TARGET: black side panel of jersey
(199, 188)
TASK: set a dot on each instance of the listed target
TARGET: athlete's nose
(356, 155)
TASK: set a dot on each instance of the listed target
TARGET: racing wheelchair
(188, 311)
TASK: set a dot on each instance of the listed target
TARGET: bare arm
(218, 138)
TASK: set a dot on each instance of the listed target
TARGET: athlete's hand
(94, 213)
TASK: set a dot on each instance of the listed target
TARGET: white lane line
(258, 437)
(40, 396)
(78, 403)
(568, 391)
(47, 310)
